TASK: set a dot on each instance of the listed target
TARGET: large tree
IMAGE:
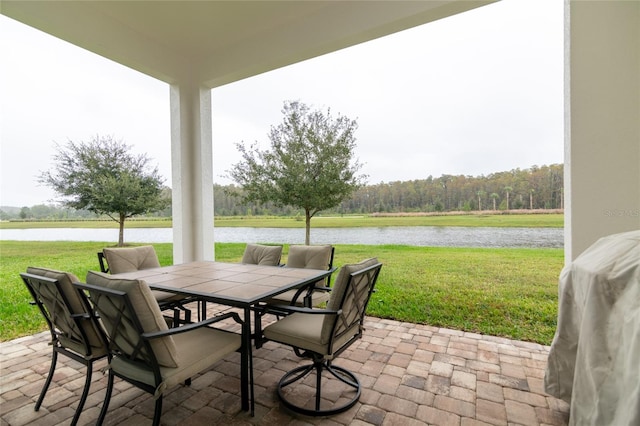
(310, 165)
(102, 176)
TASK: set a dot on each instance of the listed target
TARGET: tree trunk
(121, 233)
(307, 235)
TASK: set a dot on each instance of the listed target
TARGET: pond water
(431, 236)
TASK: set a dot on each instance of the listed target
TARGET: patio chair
(308, 257)
(258, 254)
(143, 350)
(300, 256)
(131, 259)
(74, 332)
(323, 334)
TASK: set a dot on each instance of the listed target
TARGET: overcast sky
(472, 94)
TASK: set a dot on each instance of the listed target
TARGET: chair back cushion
(145, 308)
(309, 257)
(130, 259)
(71, 337)
(258, 254)
(350, 294)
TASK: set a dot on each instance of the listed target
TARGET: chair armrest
(300, 309)
(310, 288)
(189, 327)
(324, 287)
(305, 289)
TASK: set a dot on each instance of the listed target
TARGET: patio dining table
(233, 284)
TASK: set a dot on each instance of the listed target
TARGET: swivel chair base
(343, 375)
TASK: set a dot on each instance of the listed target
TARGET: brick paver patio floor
(411, 375)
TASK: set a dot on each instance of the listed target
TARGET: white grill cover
(594, 362)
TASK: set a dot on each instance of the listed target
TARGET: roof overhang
(218, 42)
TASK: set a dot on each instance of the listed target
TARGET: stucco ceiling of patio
(218, 42)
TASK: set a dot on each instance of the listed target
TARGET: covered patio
(411, 375)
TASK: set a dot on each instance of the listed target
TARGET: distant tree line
(56, 212)
(538, 187)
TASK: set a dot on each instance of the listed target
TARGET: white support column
(192, 173)
(602, 142)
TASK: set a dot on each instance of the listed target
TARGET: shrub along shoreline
(511, 293)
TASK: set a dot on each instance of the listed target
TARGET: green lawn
(501, 292)
(500, 220)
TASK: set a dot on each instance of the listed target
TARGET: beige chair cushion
(166, 297)
(76, 306)
(309, 257)
(148, 311)
(306, 257)
(318, 298)
(340, 284)
(257, 254)
(199, 349)
(130, 259)
(305, 331)
(299, 330)
(338, 292)
(66, 280)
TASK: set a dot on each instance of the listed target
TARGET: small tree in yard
(310, 164)
(102, 176)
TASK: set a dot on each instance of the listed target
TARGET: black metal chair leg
(54, 360)
(318, 384)
(333, 370)
(107, 399)
(257, 328)
(157, 412)
(85, 393)
(202, 310)
(299, 373)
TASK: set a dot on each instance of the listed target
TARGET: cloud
(471, 94)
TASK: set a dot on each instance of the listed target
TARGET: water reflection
(432, 236)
